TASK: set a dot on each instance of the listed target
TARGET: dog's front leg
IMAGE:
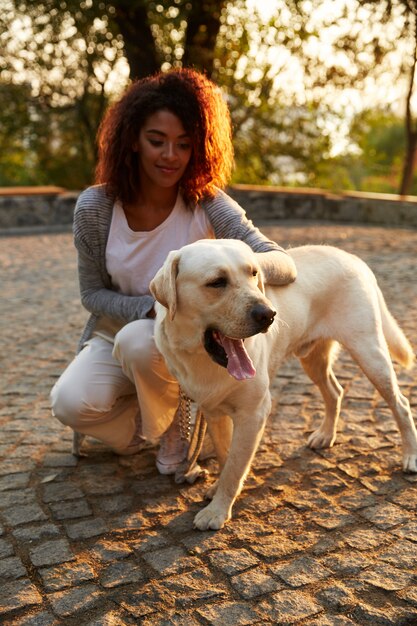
(247, 433)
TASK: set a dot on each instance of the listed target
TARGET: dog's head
(214, 290)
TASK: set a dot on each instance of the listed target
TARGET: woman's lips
(167, 170)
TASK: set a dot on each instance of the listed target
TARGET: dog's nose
(263, 315)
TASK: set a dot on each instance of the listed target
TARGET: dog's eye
(254, 272)
(218, 283)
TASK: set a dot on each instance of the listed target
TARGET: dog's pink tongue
(239, 363)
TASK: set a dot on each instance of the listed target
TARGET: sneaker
(172, 451)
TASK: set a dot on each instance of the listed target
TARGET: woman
(165, 153)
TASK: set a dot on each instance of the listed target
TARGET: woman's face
(164, 150)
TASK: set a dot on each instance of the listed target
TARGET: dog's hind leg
(318, 366)
(371, 354)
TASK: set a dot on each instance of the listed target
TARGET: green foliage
(71, 57)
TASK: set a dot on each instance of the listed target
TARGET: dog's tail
(398, 344)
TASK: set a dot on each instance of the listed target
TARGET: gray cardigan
(92, 219)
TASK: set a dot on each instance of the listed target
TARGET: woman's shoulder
(92, 215)
(94, 198)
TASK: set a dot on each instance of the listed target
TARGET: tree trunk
(133, 23)
(203, 25)
(411, 132)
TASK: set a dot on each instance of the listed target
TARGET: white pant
(104, 387)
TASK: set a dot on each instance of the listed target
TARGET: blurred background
(321, 93)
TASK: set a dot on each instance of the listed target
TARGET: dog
(224, 333)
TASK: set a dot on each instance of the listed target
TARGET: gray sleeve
(97, 296)
(98, 299)
(229, 221)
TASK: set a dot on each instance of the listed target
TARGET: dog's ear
(163, 286)
(261, 281)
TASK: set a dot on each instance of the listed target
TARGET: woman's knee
(134, 345)
(66, 406)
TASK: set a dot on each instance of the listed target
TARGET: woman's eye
(218, 283)
(155, 142)
(184, 146)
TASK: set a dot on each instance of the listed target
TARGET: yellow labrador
(224, 336)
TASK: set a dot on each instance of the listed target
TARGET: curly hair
(198, 103)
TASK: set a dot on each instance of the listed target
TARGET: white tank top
(133, 258)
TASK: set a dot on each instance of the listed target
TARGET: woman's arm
(229, 221)
(92, 218)
(98, 299)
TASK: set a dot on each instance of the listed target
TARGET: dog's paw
(321, 438)
(410, 463)
(211, 518)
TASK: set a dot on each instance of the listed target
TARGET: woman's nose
(169, 151)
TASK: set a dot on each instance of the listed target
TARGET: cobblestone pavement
(320, 538)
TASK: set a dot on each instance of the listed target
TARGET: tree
(379, 39)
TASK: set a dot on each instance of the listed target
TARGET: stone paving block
(348, 562)
(56, 492)
(108, 550)
(51, 553)
(150, 598)
(111, 618)
(171, 560)
(76, 600)
(387, 577)
(366, 538)
(14, 481)
(189, 588)
(18, 594)
(288, 607)
(17, 497)
(39, 618)
(102, 485)
(121, 573)
(23, 514)
(30, 534)
(12, 568)
(402, 554)
(301, 571)
(203, 543)
(126, 521)
(277, 545)
(151, 540)
(173, 619)
(385, 515)
(365, 615)
(336, 518)
(6, 548)
(356, 498)
(233, 561)
(66, 575)
(236, 613)
(86, 528)
(407, 531)
(254, 583)
(336, 597)
(114, 504)
(70, 509)
(409, 595)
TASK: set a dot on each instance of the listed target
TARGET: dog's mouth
(229, 353)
